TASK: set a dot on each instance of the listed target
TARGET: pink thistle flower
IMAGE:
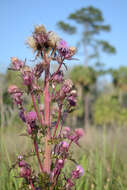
(31, 117)
(72, 100)
(13, 89)
(16, 63)
(69, 184)
(78, 172)
(22, 163)
(25, 172)
(28, 77)
(58, 77)
(16, 94)
(79, 132)
(63, 48)
(20, 157)
(66, 132)
(64, 146)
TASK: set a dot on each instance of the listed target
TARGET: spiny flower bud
(78, 172)
(64, 146)
(60, 163)
(72, 100)
(63, 48)
(16, 94)
(31, 117)
(66, 132)
(25, 172)
(28, 76)
(78, 133)
(58, 77)
(69, 184)
(71, 52)
(16, 63)
(67, 85)
(13, 89)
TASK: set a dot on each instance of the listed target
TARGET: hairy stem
(41, 112)
(38, 157)
(47, 154)
(58, 120)
(35, 108)
(31, 183)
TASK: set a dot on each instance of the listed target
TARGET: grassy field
(103, 156)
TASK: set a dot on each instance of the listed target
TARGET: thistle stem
(47, 154)
(58, 120)
(40, 109)
(38, 157)
(31, 183)
(35, 108)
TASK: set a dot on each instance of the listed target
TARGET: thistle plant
(45, 124)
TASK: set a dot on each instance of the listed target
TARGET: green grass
(103, 156)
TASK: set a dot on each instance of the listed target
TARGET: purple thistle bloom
(31, 117)
(25, 172)
(69, 184)
(22, 163)
(16, 94)
(28, 77)
(78, 172)
(66, 132)
(16, 63)
(58, 77)
(20, 157)
(72, 100)
(63, 48)
(78, 133)
(41, 39)
(64, 146)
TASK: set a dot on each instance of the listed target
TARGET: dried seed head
(39, 29)
(31, 43)
(53, 39)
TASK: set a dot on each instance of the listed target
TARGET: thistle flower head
(63, 48)
(31, 43)
(16, 63)
(31, 117)
(67, 86)
(16, 94)
(64, 146)
(58, 77)
(39, 29)
(28, 76)
(53, 39)
(25, 172)
(78, 172)
(72, 100)
(69, 184)
(79, 132)
(66, 132)
(22, 163)
(13, 89)
(39, 38)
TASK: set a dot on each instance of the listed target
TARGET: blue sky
(18, 17)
